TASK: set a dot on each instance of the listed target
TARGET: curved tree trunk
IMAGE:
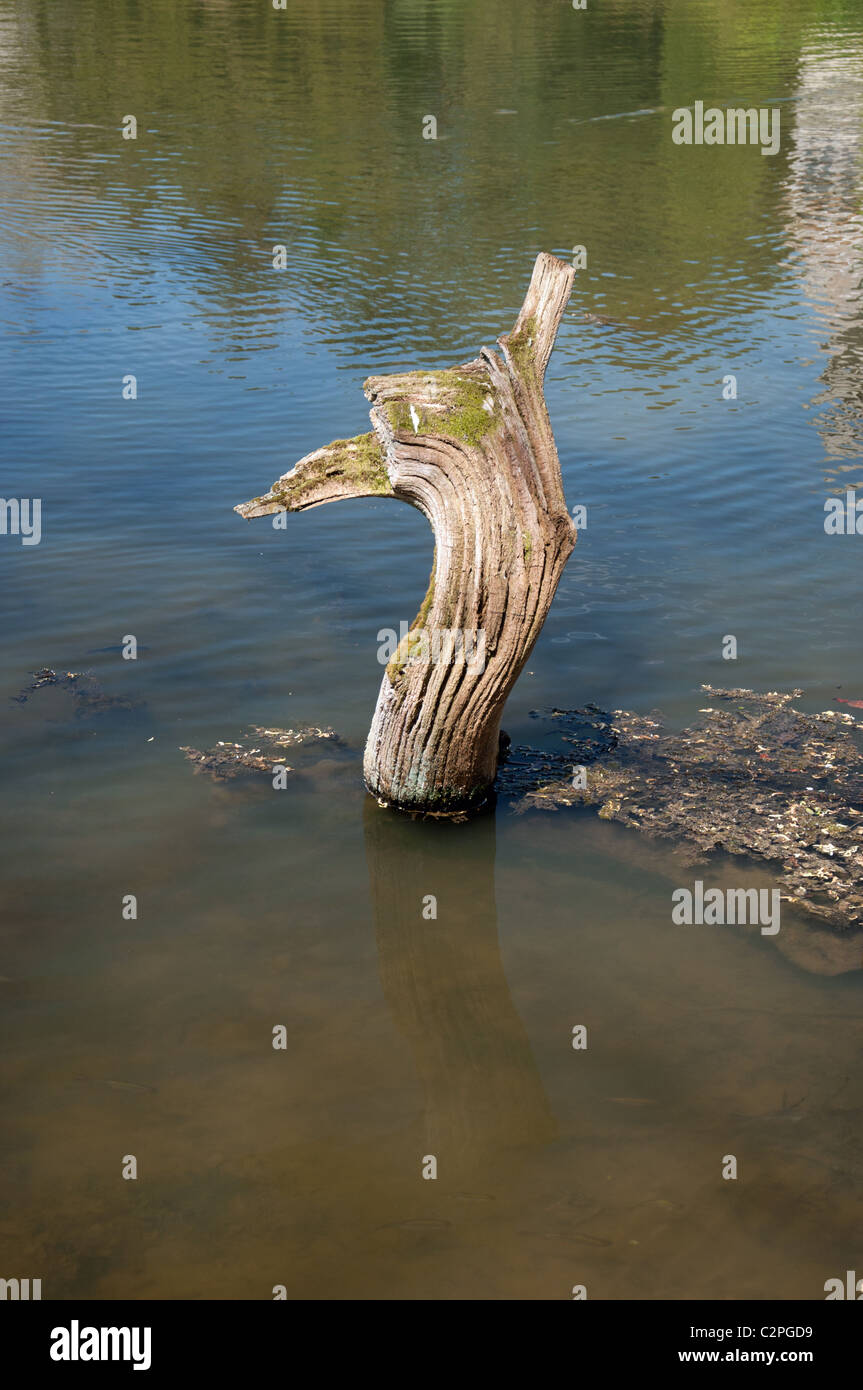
(472, 449)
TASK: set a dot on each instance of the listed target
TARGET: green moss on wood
(415, 643)
(420, 619)
(359, 462)
(520, 346)
(446, 403)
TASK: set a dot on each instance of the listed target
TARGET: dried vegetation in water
(87, 694)
(752, 776)
(260, 751)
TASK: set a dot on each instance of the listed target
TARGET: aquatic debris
(261, 750)
(87, 693)
(229, 760)
(44, 676)
(602, 319)
(291, 738)
(752, 776)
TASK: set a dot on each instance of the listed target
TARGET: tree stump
(472, 448)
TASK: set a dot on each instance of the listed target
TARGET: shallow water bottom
(408, 1038)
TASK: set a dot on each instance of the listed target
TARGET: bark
(472, 449)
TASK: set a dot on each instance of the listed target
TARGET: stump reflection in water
(445, 984)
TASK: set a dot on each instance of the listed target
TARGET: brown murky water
(408, 1038)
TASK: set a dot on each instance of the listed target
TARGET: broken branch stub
(472, 449)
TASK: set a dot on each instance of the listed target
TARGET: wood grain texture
(473, 450)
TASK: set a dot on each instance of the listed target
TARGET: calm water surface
(405, 1037)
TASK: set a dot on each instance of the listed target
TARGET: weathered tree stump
(472, 448)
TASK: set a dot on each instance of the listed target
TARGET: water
(302, 908)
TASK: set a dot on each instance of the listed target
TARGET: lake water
(405, 1037)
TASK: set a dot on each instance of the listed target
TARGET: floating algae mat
(261, 750)
(753, 776)
(85, 690)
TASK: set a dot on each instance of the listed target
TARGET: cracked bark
(473, 450)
